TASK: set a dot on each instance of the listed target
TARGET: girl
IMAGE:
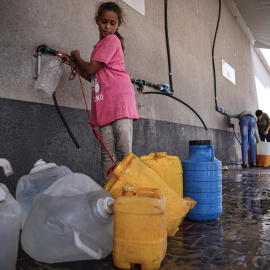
(113, 97)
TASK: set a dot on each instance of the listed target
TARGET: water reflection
(196, 244)
(246, 220)
(250, 200)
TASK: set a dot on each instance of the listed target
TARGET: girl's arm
(86, 68)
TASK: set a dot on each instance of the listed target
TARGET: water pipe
(161, 87)
(6, 166)
(46, 49)
(171, 96)
(164, 91)
(168, 45)
(219, 109)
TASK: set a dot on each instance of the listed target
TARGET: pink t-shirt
(113, 95)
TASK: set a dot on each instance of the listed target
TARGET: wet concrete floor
(239, 239)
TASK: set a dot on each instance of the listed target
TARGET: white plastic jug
(40, 178)
(49, 77)
(71, 220)
(10, 214)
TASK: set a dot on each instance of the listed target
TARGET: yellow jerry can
(169, 168)
(140, 235)
(133, 172)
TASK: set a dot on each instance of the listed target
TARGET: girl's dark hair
(111, 6)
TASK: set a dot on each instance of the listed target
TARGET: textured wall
(64, 25)
(31, 129)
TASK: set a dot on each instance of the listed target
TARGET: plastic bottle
(10, 214)
(49, 77)
(40, 178)
(71, 220)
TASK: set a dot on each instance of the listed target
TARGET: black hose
(159, 93)
(65, 122)
(168, 47)
(236, 136)
(213, 60)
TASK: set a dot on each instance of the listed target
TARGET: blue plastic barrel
(202, 180)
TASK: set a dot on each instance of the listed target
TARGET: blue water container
(202, 180)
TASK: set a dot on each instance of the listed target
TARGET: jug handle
(157, 193)
(80, 245)
(212, 152)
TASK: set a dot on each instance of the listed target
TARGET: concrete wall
(30, 126)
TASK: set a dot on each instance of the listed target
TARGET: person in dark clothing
(263, 124)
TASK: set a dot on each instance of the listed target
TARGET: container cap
(41, 165)
(3, 195)
(161, 154)
(127, 188)
(105, 207)
(200, 142)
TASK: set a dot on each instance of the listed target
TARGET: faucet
(6, 166)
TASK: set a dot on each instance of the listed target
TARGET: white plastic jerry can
(10, 215)
(72, 220)
(42, 176)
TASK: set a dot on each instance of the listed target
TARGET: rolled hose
(159, 93)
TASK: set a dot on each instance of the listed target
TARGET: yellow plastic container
(132, 172)
(169, 168)
(263, 154)
(140, 235)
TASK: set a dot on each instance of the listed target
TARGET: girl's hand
(75, 54)
(66, 59)
(265, 132)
